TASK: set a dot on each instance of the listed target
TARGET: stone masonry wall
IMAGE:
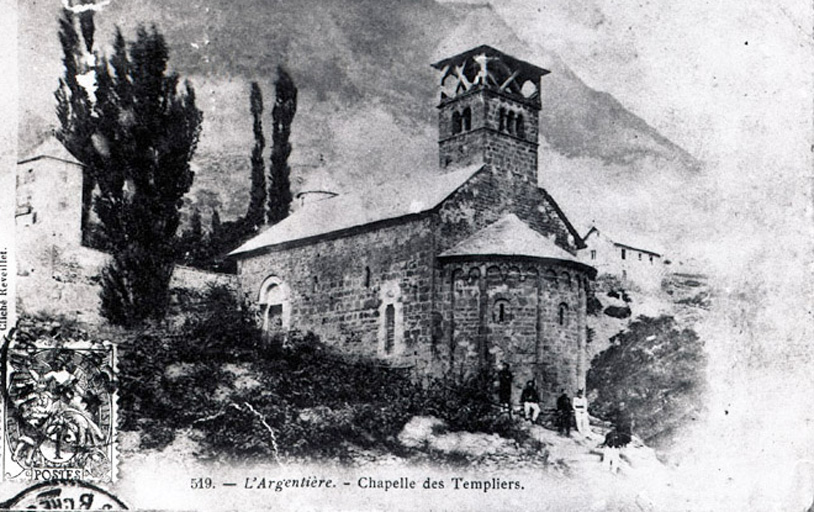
(488, 196)
(489, 140)
(528, 333)
(329, 294)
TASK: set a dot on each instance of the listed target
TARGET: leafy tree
(194, 247)
(285, 106)
(256, 214)
(653, 376)
(136, 138)
(74, 107)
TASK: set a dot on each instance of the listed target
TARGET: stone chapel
(473, 266)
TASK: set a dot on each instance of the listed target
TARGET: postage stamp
(59, 409)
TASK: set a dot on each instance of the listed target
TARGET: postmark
(59, 408)
(64, 495)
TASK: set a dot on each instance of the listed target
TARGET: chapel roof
(388, 201)
(510, 236)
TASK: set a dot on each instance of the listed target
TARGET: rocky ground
(563, 469)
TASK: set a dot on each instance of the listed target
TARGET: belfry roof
(388, 201)
(510, 236)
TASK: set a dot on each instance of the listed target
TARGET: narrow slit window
(501, 312)
(562, 317)
(457, 123)
(389, 328)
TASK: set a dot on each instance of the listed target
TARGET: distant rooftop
(50, 148)
(636, 241)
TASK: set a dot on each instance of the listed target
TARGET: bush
(594, 305)
(224, 329)
(652, 376)
(168, 378)
(467, 403)
(318, 402)
(617, 312)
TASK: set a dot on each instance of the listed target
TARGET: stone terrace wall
(66, 281)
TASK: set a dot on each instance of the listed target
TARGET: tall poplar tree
(285, 106)
(74, 107)
(137, 140)
(256, 214)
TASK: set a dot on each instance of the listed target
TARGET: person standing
(530, 399)
(610, 451)
(564, 410)
(580, 404)
(504, 392)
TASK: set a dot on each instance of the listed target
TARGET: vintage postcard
(406, 255)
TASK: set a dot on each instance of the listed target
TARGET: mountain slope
(367, 92)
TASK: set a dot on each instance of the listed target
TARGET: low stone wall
(59, 282)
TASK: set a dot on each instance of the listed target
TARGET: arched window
(500, 313)
(510, 122)
(456, 123)
(562, 314)
(467, 119)
(389, 328)
(273, 300)
(315, 284)
(502, 122)
(521, 129)
(367, 277)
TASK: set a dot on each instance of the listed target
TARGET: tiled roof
(510, 236)
(387, 201)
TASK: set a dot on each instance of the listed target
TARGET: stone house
(57, 273)
(51, 197)
(624, 257)
(470, 267)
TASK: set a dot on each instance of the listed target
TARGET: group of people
(567, 409)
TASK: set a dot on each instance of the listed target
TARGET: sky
(731, 82)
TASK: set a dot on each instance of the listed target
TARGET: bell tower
(489, 112)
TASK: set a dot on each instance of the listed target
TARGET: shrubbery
(316, 400)
(653, 376)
